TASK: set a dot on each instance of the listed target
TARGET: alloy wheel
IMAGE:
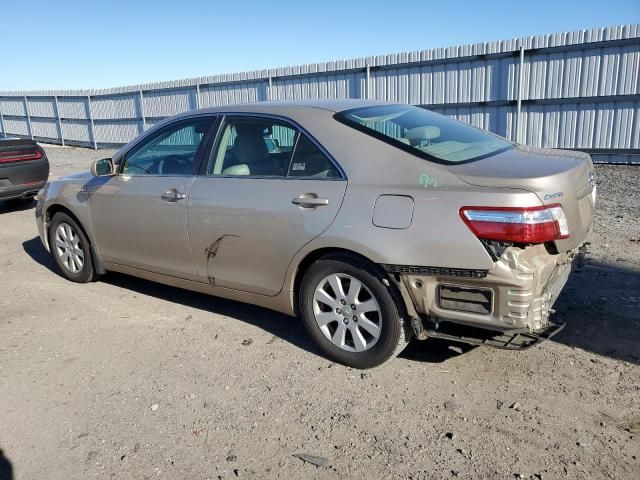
(347, 312)
(69, 248)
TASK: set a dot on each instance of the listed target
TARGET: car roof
(302, 111)
(285, 107)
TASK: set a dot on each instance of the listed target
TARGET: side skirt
(278, 303)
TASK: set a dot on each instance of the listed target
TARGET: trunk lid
(555, 176)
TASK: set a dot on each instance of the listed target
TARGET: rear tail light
(20, 156)
(517, 225)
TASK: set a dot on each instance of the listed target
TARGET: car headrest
(250, 147)
(422, 133)
(241, 169)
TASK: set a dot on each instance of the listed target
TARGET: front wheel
(70, 249)
(350, 313)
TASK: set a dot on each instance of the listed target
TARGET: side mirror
(103, 168)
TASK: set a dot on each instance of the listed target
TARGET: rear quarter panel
(437, 235)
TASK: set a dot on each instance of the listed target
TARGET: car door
(267, 190)
(139, 215)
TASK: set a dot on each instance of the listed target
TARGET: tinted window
(309, 161)
(253, 146)
(172, 151)
(424, 133)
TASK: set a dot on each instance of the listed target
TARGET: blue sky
(90, 44)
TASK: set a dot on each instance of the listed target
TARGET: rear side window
(309, 161)
(425, 134)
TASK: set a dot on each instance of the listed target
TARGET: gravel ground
(124, 378)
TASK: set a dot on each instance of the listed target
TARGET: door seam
(193, 257)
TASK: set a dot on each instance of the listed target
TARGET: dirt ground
(124, 378)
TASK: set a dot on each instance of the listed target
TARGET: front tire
(352, 316)
(70, 249)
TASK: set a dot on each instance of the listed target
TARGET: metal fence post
(197, 95)
(269, 87)
(93, 127)
(26, 109)
(4, 128)
(144, 120)
(367, 81)
(519, 103)
(55, 97)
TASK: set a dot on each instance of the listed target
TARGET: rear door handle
(173, 196)
(309, 200)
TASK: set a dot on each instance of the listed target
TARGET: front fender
(71, 196)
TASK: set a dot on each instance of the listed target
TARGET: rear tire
(361, 337)
(70, 249)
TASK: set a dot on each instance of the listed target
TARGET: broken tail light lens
(517, 225)
(20, 156)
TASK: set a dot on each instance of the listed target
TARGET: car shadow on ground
(600, 304)
(39, 254)
(434, 350)
(6, 469)
(18, 205)
(601, 307)
(277, 324)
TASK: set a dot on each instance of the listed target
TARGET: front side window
(266, 147)
(172, 151)
(424, 133)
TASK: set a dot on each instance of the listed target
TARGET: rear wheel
(350, 313)
(70, 249)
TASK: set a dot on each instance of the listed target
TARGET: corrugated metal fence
(577, 90)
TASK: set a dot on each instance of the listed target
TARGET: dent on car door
(268, 189)
(139, 216)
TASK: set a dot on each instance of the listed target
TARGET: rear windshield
(424, 133)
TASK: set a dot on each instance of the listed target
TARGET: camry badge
(549, 196)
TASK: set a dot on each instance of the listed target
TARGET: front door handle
(172, 196)
(309, 200)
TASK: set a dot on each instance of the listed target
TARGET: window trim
(154, 132)
(293, 124)
(342, 118)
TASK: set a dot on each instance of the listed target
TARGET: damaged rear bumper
(508, 340)
(514, 298)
